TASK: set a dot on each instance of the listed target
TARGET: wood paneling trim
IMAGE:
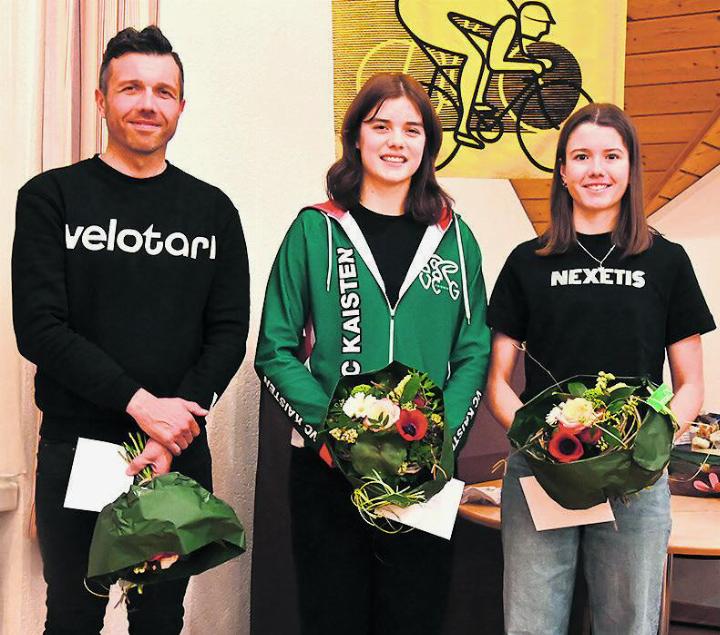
(673, 33)
(677, 183)
(654, 68)
(649, 9)
(712, 136)
(655, 205)
(703, 159)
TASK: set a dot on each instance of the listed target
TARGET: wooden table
(694, 533)
(486, 515)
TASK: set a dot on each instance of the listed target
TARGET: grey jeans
(623, 563)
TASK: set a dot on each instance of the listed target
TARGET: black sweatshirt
(121, 283)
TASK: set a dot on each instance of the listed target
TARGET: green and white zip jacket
(326, 304)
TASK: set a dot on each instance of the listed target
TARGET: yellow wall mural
(502, 75)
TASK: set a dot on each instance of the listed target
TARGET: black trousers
(65, 535)
(352, 578)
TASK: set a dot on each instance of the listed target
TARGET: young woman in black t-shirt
(598, 291)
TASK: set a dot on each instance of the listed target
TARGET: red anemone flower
(564, 446)
(590, 435)
(412, 425)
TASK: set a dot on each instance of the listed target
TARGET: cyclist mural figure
(500, 28)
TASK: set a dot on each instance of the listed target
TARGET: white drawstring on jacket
(461, 255)
(463, 272)
(329, 235)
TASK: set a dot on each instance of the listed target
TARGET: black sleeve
(688, 313)
(40, 309)
(226, 317)
(508, 310)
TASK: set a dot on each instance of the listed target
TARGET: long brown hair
(426, 199)
(631, 233)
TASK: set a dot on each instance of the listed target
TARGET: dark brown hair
(631, 233)
(150, 41)
(426, 199)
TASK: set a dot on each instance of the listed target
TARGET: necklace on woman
(600, 261)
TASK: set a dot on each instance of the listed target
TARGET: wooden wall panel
(532, 188)
(704, 159)
(669, 128)
(677, 183)
(537, 209)
(677, 32)
(651, 181)
(713, 135)
(683, 97)
(644, 9)
(668, 67)
(655, 205)
(659, 156)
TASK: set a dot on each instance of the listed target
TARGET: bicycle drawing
(488, 72)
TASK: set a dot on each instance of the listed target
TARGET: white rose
(382, 409)
(577, 413)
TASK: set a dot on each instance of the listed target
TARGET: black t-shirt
(577, 318)
(393, 241)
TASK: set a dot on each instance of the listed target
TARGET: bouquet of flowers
(387, 433)
(163, 528)
(586, 444)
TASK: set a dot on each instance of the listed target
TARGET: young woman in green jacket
(384, 271)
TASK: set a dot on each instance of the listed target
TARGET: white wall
(692, 220)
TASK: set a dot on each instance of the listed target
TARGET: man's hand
(154, 455)
(169, 421)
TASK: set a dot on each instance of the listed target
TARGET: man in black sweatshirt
(131, 295)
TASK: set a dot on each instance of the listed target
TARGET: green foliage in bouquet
(163, 528)
(386, 432)
(585, 445)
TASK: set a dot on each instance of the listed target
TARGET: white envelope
(548, 514)
(436, 517)
(97, 476)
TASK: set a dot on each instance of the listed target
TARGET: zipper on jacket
(391, 309)
(391, 348)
